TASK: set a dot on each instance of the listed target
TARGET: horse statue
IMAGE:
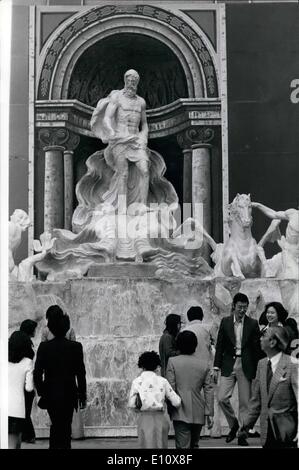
(240, 255)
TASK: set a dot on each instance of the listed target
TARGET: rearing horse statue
(240, 255)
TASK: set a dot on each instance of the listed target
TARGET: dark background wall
(18, 124)
(263, 136)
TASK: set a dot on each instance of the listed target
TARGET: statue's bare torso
(128, 114)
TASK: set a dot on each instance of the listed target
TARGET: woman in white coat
(20, 378)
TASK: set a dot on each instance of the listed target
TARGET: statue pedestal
(122, 270)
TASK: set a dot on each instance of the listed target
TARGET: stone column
(54, 194)
(201, 184)
(187, 176)
(71, 144)
(197, 174)
(185, 142)
(58, 193)
(68, 188)
(201, 189)
(196, 151)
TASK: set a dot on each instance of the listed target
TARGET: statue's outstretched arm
(209, 239)
(281, 215)
(273, 233)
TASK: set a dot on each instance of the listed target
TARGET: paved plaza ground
(132, 443)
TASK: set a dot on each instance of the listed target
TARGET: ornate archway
(191, 119)
(81, 31)
(95, 75)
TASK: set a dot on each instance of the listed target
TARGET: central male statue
(124, 201)
(126, 172)
(117, 120)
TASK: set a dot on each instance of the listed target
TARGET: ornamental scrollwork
(195, 135)
(61, 136)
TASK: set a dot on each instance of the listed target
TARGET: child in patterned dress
(148, 394)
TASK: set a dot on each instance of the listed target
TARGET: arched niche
(64, 48)
(95, 75)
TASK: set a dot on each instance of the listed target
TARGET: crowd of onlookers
(178, 385)
(56, 372)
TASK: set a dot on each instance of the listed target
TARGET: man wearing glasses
(237, 354)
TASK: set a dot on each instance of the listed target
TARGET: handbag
(170, 407)
(77, 425)
(138, 402)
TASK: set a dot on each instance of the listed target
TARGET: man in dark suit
(237, 354)
(275, 393)
(59, 377)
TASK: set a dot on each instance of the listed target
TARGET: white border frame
(5, 55)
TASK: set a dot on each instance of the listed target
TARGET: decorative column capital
(53, 147)
(61, 137)
(199, 135)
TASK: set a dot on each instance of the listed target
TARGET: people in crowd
(20, 378)
(205, 340)
(237, 354)
(59, 377)
(46, 333)
(275, 393)
(274, 314)
(77, 422)
(291, 328)
(148, 395)
(28, 327)
(189, 375)
(167, 344)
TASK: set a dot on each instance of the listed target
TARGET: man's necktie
(269, 374)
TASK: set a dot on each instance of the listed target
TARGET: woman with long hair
(28, 327)
(20, 378)
(167, 346)
(275, 314)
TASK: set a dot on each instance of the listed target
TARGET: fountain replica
(127, 263)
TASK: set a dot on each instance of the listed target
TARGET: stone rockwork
(116, 319)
